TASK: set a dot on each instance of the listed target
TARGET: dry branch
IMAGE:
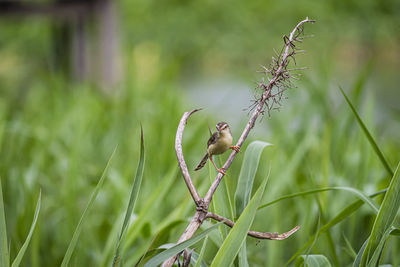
(278, 76)
(179, 154)
(259, 235)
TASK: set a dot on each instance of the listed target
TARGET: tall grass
(322, 170)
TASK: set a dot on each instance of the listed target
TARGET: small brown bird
(218, 143)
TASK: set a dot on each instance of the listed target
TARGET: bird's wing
(213, 139)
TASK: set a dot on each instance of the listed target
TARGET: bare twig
(259, 235)
(179, 154)
(280, 80)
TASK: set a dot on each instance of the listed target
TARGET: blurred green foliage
(56, 135)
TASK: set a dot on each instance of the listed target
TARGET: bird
(219, 142)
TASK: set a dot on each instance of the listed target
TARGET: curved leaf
(199, 260)
(78, 228)
(237, 235)
(4, 254)
(384, 220)
(345, 213)
(358, 193)
(137, 181)
(245, 185)
(21, 252)
(165, 255)
(368, 135)
(247, 174)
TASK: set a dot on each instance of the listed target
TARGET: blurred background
(78, 77)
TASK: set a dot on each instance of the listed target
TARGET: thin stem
(258, 235)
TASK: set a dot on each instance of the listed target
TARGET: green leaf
(356, 192)
(199, 260)
(312, 261)
(214, 237)
(243, 256)
(78, 228)
(163, 256)
(379, 249)
(144, 216)
(247, 174)
(4, 254)
(384, 220)
(368, 135)
(21, 252)
(237, 235)
(349, 248)
(133, 197)
(357, 261)
(160, 238)
(345, 213)
(245, 185)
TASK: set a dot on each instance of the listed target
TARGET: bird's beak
(216, 126)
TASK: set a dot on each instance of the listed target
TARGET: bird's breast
(222, 145)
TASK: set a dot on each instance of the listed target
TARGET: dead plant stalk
(279, 77)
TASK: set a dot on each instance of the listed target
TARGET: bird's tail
(202, 162)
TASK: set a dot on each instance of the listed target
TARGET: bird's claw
(222, 171)
(236, 148)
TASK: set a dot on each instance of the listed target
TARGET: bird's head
(222, 127)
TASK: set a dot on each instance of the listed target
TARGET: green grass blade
(214, 237)
(247, 174)
(194, 259)
(163, 256)
(349, 248)
(78, 228)
(146, 215)
(379, 249)
(356, 192)
(245, 185)
(133, 197)
(201, 255)
(385, 218)
(243, 256)
(329, 238)
(368, 135)
(357, 260)
(345, 213)
(153, 200)
(21, 252)
(4, 254)
(161, 237)
(312, 261)
(237, 235)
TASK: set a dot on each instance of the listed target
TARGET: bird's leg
(236, 148)
(218, 170)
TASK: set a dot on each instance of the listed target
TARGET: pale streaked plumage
(218, 143)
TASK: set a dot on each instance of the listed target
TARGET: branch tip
(258, 235)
